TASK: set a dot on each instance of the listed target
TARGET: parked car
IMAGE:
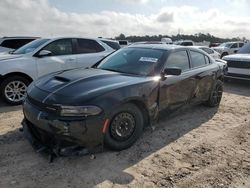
(210, 51)
(185, 43)
(8, 44)
(214, 45)
(111, 103)
(228, 48)
(167, 40)
(123, 43)
(239, 64)
(43, 56)
(111, 43)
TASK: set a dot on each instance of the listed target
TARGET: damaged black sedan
(111, 103)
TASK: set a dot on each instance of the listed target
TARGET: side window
(60, 47)
(198, 59)
(235, 45)
(88, 46)
(241, 44)
(209, 51)
(15, 43)
(207, 60)
(178, 59)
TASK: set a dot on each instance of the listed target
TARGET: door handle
(71, 59)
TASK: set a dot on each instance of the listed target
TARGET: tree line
(199, 37)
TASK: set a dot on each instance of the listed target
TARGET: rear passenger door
(88, 52)
(176, 91)
(203, 71)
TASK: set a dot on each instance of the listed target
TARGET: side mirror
(44, 53)
(172, 71)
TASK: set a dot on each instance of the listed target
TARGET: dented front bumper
(61, 135)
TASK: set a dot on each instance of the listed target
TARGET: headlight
(80, 110)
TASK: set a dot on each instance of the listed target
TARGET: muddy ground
(196, 147)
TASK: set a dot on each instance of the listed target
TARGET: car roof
(198, 47)
(158, 46)
(71, 37)
(21, 37)
(109, 40)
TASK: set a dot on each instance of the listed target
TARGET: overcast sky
(109, 18)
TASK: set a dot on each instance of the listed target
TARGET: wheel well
(221, 78)
(143, 109)
(17, 74)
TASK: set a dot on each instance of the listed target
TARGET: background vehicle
(210, 51)
(8, 44)
(228, 48)
(44, 56)
(148, 42)
(214, 45)
(239, 64)
(184, 43)
(167, 40)
(140, 82)
(111, 43)
(123, 43)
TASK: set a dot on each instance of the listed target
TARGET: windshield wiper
(120, 71)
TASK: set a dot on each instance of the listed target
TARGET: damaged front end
(60, 136)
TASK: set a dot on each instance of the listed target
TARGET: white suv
(44, 56)
(228, 48)
(8, 44)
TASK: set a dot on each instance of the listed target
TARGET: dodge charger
(109, 104)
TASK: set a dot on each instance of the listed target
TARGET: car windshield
(137, 61)
(226, 44)
(30, 47)
(245, 49)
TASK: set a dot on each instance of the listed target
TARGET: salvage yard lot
(196, 147)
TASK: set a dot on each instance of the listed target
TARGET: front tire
(216, 94)
(223, 54)
(125, 127)
(13, 89)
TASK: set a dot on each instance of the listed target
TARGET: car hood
(237, 57)
(7, 56)
(86, 82)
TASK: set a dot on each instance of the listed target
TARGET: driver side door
(61, 58)
(234, 48)
(176, 91)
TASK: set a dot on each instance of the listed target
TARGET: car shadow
(107, 166)
(4, 107)
(238, 87)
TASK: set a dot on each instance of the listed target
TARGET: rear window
(111, 44)
(15, 43)
(88, 46)
(186, 44)
(123, 42)
(245, 49)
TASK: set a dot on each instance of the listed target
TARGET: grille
(239, 64)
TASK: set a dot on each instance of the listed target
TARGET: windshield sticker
(148, 59)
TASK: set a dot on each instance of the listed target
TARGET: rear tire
(13, 89)
(125, 127)
(216, 94)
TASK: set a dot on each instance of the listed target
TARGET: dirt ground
(196, 147)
